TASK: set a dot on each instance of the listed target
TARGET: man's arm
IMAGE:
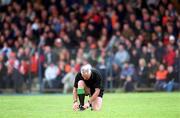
(95, 95)
(75, 103)
(75, 97)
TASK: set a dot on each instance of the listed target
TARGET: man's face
(86, 74)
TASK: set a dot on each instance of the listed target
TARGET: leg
(81, 93)
(97, 104)
(43, 85)
(49, 82)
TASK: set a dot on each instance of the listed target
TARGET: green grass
(121, 105)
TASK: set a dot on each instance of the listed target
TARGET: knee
(96, 108)
(97, 104)
(81, 83)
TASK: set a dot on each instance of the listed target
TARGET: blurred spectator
(161, 77)
(129, 85)
(102, 67)
(24, 69)
(93, 60)
(49, 57)
(134, 57)
(126, 72)
(169, 57)
(5, 50)
(5, 2)
(142, 73)
(51, 74)
(2, 73)
(152, 67)
(13, 79)
(68, 80)
(128, 32)
(177, 66)
(13, 61)
(145, 54)
(121, 56)
(34, 64)
(172, 82)
(51, 31)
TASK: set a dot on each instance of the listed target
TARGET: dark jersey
(95, 81)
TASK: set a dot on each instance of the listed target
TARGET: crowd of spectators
(134, 43)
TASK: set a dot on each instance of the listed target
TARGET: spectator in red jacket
(169, 56)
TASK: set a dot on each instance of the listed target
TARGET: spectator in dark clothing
(134, 58)
(129, 85)
(2, 74)
(103, 70)
(145, 54)
(177, 67)
(142, 73)
(160, 51)
(152, 67)
(18, 81)
(13, 79)
(49, 56)
(171, 74)
(172, 83)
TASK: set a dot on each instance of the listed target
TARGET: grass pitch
(119, 105)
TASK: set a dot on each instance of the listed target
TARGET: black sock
(81, 99)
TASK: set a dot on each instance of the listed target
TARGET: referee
(88, 82)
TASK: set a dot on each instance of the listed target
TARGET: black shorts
(100, 94)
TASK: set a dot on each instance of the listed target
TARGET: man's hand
(86, 105)
(75, 106)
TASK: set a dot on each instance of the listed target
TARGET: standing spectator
(121, 56)
(13, 79)
(58, 47)
(68, 80)
(160, 51)
(169, 57)
(2, 74)
(93, 57)
(23, 71)
(102, 67)
(177, 66)
(34, 65)
(110, 70)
